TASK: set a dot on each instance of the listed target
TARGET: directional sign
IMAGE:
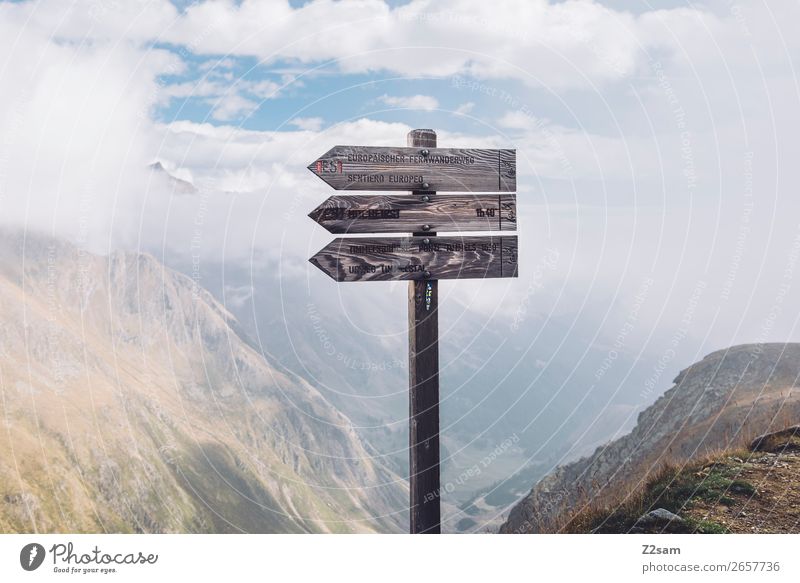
(345, 213)
(424, 170)
(388, 258)
(434, 169)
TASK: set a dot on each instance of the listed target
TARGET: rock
(658, 515)
(776, 439)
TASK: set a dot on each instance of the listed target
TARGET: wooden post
(423, 383)
(423, 259)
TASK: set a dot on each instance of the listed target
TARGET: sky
(656, 145)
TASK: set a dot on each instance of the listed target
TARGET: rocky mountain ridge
(713, 405)
(131, 402)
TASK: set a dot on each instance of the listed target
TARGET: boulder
(788, 438)
(659, 515)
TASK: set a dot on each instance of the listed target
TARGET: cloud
(200, 88)
(518, 120)
(562, 44)
(264, 89)
(311, 124)
(229, 98)
(465, 108)
(76, 131)
(232, 106)
(654, 175)
(421, 102)
(217, 64)
(565, 44)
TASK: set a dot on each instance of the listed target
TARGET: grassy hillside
(713, 406)
(746, 490)
(130, 402)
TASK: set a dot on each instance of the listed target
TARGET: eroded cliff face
(131, 402)
(719, 402)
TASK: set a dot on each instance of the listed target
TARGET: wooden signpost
(418, 168)
(388, 258)
(423, 259)
(353, 214)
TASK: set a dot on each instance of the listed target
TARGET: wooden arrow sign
(389, 258)
(434, 169)
(415, 213)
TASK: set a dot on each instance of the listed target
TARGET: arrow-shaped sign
(389, 258)
(434, 169)
(343, 213)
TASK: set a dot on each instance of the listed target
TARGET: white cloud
(311, 124)
(557, 45)
(200, 88)
(565, 44)
(261, 89)
(608, 184)
(76, 131)
(230, 98)
(465, 108)
(230, 107)
(217, 64)
(422, 102)
(518, 120)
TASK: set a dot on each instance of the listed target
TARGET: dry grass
(676, 485)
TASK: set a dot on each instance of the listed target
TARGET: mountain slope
(712, 407)
(131, 403)
(751, 490)
(498, 385)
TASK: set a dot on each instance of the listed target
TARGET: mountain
(133, 402)
(515, 402)
(754, 489)
(714, 405)
(175, 185)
